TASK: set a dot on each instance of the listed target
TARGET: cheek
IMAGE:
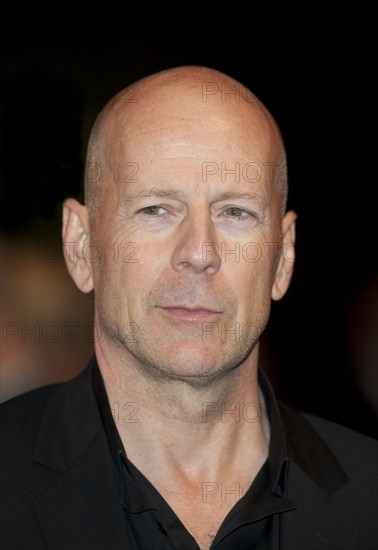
(253, 266)
(126, 275)
(252, 281)
(120, 254)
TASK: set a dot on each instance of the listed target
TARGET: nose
(196, 247)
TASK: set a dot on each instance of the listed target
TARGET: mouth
(191, 313)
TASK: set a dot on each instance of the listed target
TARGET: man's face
(188, 228)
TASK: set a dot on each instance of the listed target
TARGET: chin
(193, 366)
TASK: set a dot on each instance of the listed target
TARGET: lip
(191, 313)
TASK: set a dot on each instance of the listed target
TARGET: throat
(203, 506)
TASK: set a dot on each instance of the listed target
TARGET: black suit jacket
(59, 492)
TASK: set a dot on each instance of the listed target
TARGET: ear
(285, 266)
(75, 234)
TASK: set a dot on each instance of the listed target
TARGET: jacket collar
(72, 443)
(310, 453)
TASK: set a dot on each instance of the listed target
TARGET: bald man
(172, 437)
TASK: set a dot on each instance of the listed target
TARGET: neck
(195, 430)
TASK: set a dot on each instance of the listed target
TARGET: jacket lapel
(316, 485)
(79, 507)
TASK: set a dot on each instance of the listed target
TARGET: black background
(313, 70)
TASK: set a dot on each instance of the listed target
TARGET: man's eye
(153, 211)
(235, 212)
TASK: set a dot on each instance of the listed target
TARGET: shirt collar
(278, 449)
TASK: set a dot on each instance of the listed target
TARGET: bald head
(175, 103)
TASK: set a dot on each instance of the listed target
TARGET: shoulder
(318, 438)
(349, 446)
(21, 417)
(338, 434)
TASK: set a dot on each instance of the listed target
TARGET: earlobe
(75, 235)
(285, 266)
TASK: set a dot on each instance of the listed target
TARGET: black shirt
(253, 522)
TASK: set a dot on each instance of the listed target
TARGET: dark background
(59, 66)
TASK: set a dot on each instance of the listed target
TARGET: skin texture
(185, 241)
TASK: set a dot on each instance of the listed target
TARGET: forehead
(193, 156)
(171, 134)
(166, 117)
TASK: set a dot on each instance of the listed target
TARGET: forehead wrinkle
(173, 143)
(177, 194)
